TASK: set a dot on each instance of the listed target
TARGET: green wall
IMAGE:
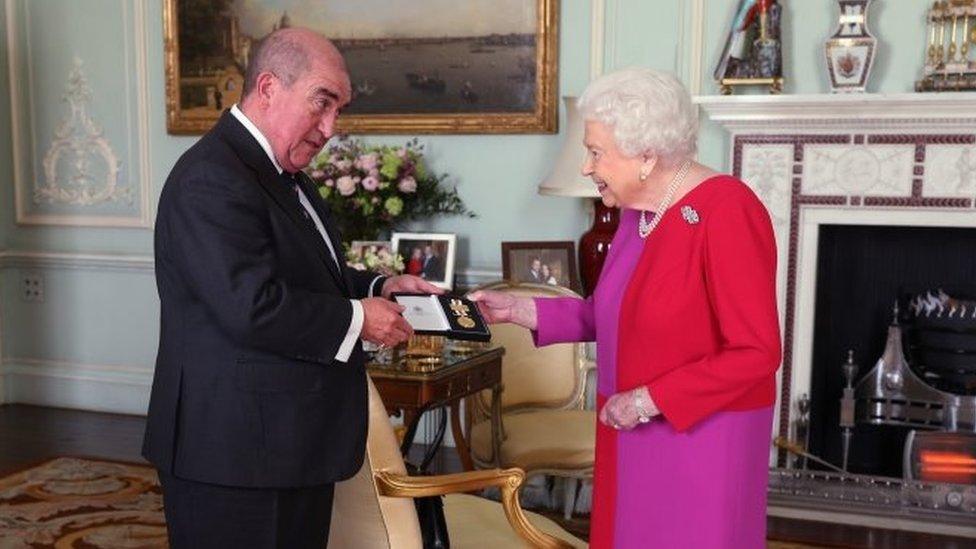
(92, 340)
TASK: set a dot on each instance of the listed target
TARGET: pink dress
(653, 486)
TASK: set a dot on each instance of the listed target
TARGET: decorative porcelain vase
(850, 51)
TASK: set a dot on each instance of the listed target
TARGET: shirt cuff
(372, 286)
(352, 336)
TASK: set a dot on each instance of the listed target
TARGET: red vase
(595, 244)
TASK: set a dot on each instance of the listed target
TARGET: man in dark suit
(535, 271)
(433, 266)
(259, 399)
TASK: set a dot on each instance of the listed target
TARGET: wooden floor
(33, 434)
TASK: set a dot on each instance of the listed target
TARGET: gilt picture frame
(463, 68)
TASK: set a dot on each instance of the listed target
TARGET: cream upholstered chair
(544, 426)
(375, 509)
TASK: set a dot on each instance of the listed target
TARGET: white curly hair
(649, 112)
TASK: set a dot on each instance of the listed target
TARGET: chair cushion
(474, 522)
(544, 439)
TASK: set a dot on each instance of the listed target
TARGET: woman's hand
(498, 307)
(628, 409)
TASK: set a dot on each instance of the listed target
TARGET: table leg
(411, 419)
(463, 450)
(497, 429)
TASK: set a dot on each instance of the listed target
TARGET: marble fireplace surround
(856, 159)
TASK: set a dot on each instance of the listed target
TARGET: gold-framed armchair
(375, 508)
(544, 427)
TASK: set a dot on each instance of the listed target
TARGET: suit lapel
(251, 153)
(325, 215)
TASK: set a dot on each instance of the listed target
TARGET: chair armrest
(509, 481)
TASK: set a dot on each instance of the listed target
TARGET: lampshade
(565, 178)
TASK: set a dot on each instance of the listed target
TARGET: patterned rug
(82, 504)
(73, 503)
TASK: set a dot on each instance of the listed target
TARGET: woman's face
(545, 270)
(416, 253)
(616, 176)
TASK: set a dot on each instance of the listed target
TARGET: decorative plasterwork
(66, 166)
(80, 167)
(906, 156)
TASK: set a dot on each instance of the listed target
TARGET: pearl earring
(643, 174)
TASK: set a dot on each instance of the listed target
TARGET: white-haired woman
(684, 316)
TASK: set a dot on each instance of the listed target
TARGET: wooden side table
(412, 391)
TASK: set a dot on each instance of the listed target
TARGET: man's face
(536, 264)
(303, 117)
(428, 250)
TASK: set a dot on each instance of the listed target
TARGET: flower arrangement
(373, 189)
(377, 259)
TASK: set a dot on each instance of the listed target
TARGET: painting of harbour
(441, 63)
(481, 74)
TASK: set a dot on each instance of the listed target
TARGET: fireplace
(863, 273)
(846, 179)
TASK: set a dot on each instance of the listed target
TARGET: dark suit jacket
(247, 391)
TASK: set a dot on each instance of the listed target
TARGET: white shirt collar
(262, 140)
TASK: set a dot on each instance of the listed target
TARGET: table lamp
(565, 179)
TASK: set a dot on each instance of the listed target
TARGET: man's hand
(382, 322)
(408, 284)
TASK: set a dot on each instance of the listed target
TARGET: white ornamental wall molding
(80, 166)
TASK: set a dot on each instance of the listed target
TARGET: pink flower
(407, 185)
(371, 183)
(401, 152)
(317, 174)
(374, 173)
(346, 185)
(367, 162)
(343, 165)
(329, 183)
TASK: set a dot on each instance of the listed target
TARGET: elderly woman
(685, 320)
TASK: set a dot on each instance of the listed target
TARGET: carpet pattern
(71, 503)
(74, 503)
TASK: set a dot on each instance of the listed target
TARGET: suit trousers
(203, 516)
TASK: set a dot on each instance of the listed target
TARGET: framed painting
(437, 66)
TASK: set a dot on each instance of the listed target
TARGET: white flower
(371, 183)
(346, 185)
(368, 162)
(407, 185)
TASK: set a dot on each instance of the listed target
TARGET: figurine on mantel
(753, 53)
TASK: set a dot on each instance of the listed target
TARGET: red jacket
(699, 324)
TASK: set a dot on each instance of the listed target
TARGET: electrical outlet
(32, 290)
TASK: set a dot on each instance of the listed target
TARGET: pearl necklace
(644, 227)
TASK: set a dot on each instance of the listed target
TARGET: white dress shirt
(356, 325)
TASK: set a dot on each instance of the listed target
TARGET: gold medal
(466, 322)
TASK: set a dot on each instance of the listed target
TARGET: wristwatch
(641, 404)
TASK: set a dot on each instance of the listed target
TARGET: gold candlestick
(952, 44)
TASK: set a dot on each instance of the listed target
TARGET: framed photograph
(359, 247)
(541, 263)
(479, 66)
(428, 255)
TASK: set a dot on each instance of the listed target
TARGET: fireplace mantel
(865, 111)
(870, 159)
